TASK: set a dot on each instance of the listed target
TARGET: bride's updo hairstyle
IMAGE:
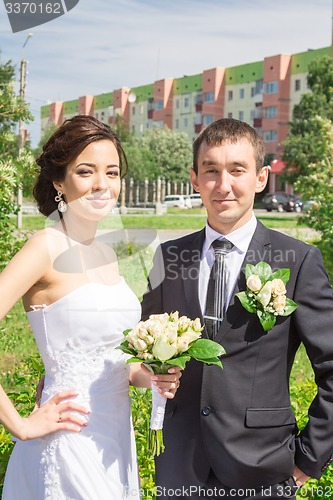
(63, 147)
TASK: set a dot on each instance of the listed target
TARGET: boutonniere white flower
(265, 293)
(163, 341)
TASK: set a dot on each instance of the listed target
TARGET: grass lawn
(175, 219)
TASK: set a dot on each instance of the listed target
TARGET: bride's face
(92, 183)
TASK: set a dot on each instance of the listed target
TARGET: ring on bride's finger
(59, 418)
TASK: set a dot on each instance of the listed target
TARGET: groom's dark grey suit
(238, 421)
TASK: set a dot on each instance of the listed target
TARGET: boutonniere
(265, 293)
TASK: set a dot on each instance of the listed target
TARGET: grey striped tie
(216, 291)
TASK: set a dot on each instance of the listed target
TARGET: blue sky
(102, 45)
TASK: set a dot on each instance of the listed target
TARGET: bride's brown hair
(64, 145)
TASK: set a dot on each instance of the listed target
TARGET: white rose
(254, 283)
(278, 287)
(279, 304)
(140, 344)
(265, 294)
(162, 350)
(170, 332)
(196, 325)
(174, 316)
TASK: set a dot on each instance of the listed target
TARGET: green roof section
(103, 101)
(45, 111)
(143, 93)
(187, 84)
(245, 73)
(71, 107)
(300, 62)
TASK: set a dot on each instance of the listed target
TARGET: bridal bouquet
(266, 293)
(163, 341)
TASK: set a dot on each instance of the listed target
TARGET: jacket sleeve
(313, 321)
(152, 302)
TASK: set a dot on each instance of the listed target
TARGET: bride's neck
(82, 231)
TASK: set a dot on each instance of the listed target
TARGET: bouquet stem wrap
(156, 444)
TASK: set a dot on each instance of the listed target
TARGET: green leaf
(133, 360)
(267, 320)
(282, 274)
(263, 270)
(245, 301)
(179, 361)
(249, 269)
(127, 350)
(202, 349)
(289, 307)
(126, 332)
(212, 361)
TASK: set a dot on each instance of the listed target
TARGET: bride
(79, 444)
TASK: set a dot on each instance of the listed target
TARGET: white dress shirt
(240, 238)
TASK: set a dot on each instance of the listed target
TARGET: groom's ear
(194, 180)
(262, 179)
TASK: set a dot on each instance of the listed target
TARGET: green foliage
(172, 153)
(12, 110)
(305, 144)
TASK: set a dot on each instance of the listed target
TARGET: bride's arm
(26, 268)
(55, 415)
(167, 385)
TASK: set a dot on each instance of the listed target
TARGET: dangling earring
(62, 205)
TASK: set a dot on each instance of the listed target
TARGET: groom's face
(227, 181)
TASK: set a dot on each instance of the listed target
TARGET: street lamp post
(22, 136)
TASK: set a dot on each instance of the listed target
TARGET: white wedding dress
(77, 336)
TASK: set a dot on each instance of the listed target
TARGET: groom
(232, 432)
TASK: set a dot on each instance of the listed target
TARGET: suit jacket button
(206, 411)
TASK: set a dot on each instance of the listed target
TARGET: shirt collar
(240, 238)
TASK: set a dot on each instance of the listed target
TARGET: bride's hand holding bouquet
(161, 342)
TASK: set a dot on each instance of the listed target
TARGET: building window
(177, 103)
(133, 111)
(229, 115)
(272, 88)
(297, 85)
(207, 119)
(159, 124)
(230, 95)
(133, 129)
(253, 91)
(209, 97)
(141, 109)
(198, 98)
(241, 93)
(271, 112)
(270, 136)
(158, 105)
(185, 122)
(241, 115)
(177, 124)
(186, 102)
(252, 114)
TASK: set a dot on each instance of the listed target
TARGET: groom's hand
(299, 476)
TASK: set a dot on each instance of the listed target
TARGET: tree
(12, 110)
(171, 153)
(309, 151)
(304, 145)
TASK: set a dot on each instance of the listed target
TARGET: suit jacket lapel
(258, 251)
(191, 269)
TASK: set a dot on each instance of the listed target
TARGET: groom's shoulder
(189, 241)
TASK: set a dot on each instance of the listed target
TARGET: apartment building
(261, 93)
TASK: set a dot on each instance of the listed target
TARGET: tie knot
(222, 246)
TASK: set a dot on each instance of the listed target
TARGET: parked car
(177, 200)
(196, 200)
(282, 202)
